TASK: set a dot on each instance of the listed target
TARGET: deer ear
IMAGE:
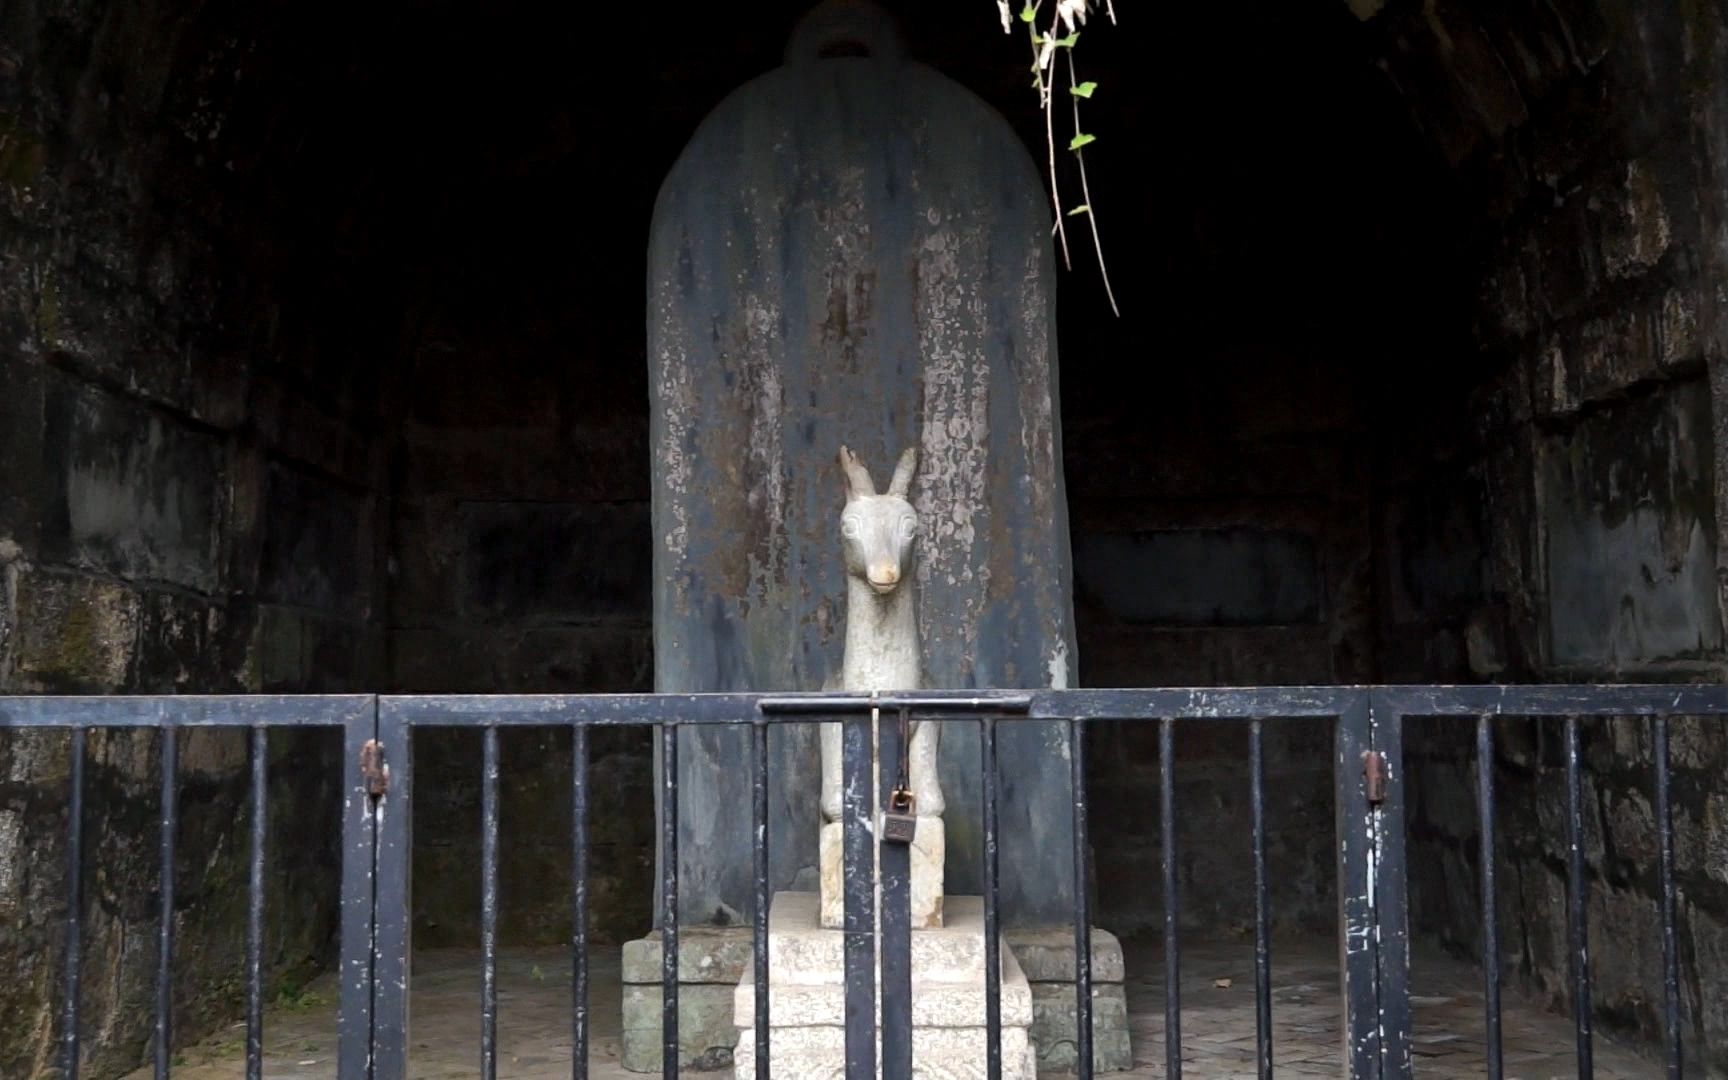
(902, 482)
(857, 477)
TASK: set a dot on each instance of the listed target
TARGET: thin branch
(1085, 191)
(1046, 87)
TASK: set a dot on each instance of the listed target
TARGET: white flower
(1007, 16)
(1072, 13)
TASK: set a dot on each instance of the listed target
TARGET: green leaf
(1083, 89)
(1081, 209)
(1068, 42)
(1081, 140)
(1028, 13)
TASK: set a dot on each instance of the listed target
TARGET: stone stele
(856, 250)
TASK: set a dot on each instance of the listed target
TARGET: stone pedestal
(807, 1000)
(929, 848)
(711, 960)
(1046, 957)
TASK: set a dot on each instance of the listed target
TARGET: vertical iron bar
(392, 940)
(1578, 916)
(489, 907)
(1262, 905)
(896, 863)
(764, 898)
(1390, 876)
(579, 901)
(165, 930)
(255, 908)
(1172, 899)
(669, 901)
(992, 931)
(1082, 905)
(74, 905)
(1490, 892)
(369, 905)
(1358, 964)
(858, 873)
(1665, 869)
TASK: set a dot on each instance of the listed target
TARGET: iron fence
(1369, 793)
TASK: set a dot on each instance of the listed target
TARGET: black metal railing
(1391, 706)
(373, 1005)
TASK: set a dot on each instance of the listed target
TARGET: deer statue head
(877, 531)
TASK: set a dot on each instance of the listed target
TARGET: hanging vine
(1051, 39)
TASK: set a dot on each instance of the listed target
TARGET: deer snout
(882, 576)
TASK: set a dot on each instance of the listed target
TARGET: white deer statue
(878, 533)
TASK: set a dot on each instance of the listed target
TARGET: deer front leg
(926, 785)
(831, 778)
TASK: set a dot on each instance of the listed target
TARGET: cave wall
(190, 483)
(321, 369)
(1221, 438)
(520, 564)
(1568, 530)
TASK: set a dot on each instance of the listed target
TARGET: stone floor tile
(1219, 1041)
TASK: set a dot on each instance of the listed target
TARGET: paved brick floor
(1218, 1040)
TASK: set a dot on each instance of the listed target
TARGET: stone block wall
(520, 563)
(1570, 531)
(189, 502)
(1199, 563)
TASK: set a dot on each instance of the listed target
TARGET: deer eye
(908, 527)
(849, 528)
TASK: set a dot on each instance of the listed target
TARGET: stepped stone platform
(807, 1001)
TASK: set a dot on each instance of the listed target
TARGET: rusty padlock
(899, 818)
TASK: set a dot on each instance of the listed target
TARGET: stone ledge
(706, 954)
(801, 951)
(1046, 954)
(937, 1054)
(934, 1005)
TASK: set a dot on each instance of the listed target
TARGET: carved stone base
(710, 962)
(929, 849)
(807, 1002)
(713, 961)
(1046, 955)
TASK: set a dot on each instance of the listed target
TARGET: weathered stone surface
(1637, 230)
(856, 253)
(818, 1053)
(1632, 579)
(139, 496)
(317, 545)
(934, 1004)
(925, 892)
(802, 952)
(1046, 954)
(614, 657)
(75, 634)
(535, 559)
(807, 1000)
(1055, 1027)
(706, 1033)
(1710, 947)
(535, 814)
(1202, 577)
(706, 954)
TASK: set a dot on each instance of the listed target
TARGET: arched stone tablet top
(845, 28)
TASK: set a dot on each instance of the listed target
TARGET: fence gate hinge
(372, 769)
(1374, 771)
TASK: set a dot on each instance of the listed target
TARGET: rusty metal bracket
(373, 771)
(1374, 771)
